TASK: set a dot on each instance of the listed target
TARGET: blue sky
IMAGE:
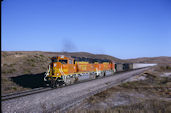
(120, 28)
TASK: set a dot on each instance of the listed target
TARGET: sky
(120, 28)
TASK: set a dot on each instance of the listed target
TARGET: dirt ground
(149, 95)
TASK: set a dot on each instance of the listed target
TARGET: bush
(42, 56)
(7, 71)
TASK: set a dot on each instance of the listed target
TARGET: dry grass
(155, 89)
(7, 86)
(163, 68)
(154, 85)
(148, 106)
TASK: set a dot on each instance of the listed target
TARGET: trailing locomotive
(64, 70)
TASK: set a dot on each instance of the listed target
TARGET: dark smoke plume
(68, 46)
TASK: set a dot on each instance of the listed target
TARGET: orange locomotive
(65, 70)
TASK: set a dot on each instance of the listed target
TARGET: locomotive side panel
(91, 67)
(67, 70)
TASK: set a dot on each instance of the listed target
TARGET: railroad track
(43, 89)
(64, 107)
(23, 93)
(37, 90)
(63, 98)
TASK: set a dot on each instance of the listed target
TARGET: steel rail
(43, 89)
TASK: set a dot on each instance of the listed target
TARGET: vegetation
(7, 86)
(8, 71)
(165, 68)
(148, 106)
(155, 90)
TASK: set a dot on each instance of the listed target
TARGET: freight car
(64, 70)
(127, 66)
(119, 67)
(123, 66)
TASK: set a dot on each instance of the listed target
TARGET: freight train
(65, 70)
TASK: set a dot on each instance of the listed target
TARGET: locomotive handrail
(47, 73)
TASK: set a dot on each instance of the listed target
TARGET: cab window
(70, 62)
(54, 60)
(63, 61)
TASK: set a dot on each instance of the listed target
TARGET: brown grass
(156, 89)
(148, 106)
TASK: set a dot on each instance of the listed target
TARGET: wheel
(61, 83)
(53, 83)
(97, 76)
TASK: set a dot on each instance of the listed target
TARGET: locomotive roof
(90, 59)
(55, 57)
(86, 59)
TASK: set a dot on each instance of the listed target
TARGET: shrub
(42, 56)
(7, 71)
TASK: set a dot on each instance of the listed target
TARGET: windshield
(54, 60)
(63, 61)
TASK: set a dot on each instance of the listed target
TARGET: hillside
(14, 63)
(22, 70)
(159, 60)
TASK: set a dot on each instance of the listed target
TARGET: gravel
(63, 98)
